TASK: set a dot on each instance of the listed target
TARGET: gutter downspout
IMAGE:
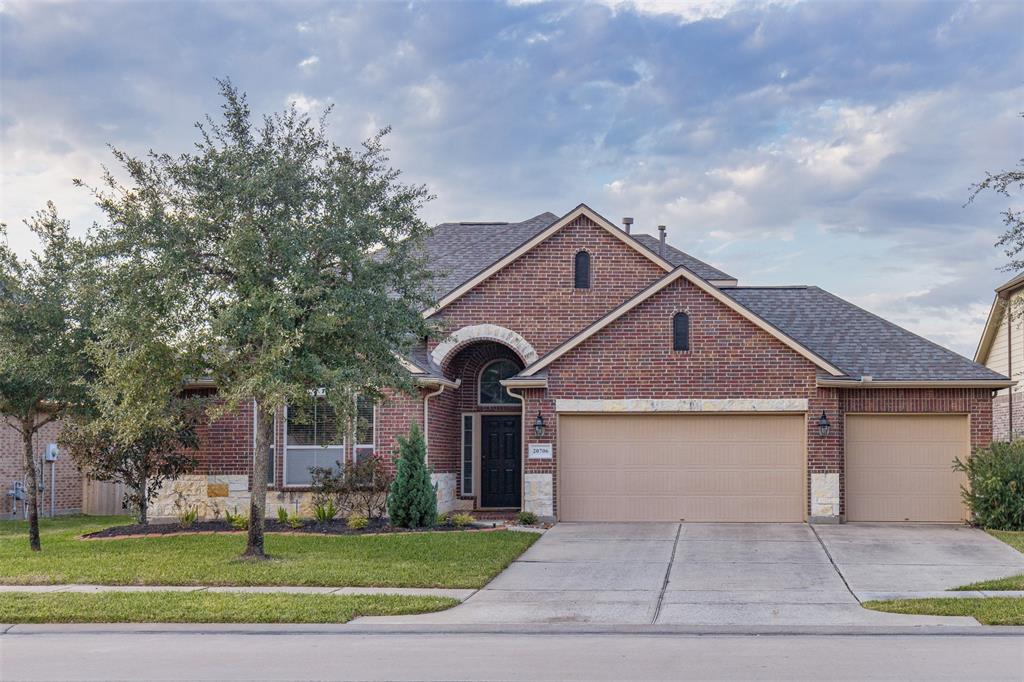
(522, 441)
(1009, 364)
(426, 413)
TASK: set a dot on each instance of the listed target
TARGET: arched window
(680, 331)
(581, 270)
(491, 390)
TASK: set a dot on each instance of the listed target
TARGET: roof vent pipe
(627, 223)
(661, 247)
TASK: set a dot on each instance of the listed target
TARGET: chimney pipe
(661, 247)
(627, 223)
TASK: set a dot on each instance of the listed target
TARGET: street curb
(498, 630)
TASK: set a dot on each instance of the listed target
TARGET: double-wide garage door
(899, 467)
(681, 467)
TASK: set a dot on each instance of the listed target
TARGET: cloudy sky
(784, 142)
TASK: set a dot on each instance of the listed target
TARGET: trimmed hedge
(996, 494)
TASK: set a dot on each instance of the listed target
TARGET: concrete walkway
(461, 595)
(679, 574)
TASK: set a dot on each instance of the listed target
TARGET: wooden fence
(102, 498)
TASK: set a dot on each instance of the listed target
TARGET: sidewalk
(461, 595)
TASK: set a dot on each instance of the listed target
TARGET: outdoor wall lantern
(823, 425)
(538, 424)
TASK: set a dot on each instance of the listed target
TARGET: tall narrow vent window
(582, 270)
(680, 331)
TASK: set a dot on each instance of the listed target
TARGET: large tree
(43, 331)
(294, 264)
(1012, 239)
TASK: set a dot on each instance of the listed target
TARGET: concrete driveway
(729, 574)
(878, 560)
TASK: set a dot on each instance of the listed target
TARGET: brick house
(588, 373)
(61, 480)
(1001, 349)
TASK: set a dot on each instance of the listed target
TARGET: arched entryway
(485, 423)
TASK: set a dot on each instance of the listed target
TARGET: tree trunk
(32, 494)
(258, 482)
(143, 503)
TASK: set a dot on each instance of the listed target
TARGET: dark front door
(501, 456)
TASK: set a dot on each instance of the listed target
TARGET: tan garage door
(898, 467)
(681, 467)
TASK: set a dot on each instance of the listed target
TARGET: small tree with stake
(413, 500)
(143, 464)
(43, 330)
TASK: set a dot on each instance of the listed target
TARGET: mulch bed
(335, 527)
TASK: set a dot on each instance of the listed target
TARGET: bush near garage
(996, 493)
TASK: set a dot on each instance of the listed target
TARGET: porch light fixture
(538, 424)
(823, 425)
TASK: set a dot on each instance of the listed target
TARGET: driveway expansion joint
(833, 562)
(668, 573)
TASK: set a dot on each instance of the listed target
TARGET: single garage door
(681, 467)
(899, 467)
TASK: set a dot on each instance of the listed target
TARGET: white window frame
(287, 448)
(479, 385)
(471, 419)
(272, 481)
(356, 445)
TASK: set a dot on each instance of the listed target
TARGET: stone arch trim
(483, 332)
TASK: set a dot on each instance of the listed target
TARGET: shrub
(358, 488)
(325, 513)
(442, 519)
(413, 501)
(237, 521)
(358, 522)
(996, 494)
(282, 515)
(187, 516)
(462, 519)
(526, 518)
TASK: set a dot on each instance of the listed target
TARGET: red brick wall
(69, 479)
(729, 357)
(1001, 416)
(534, 296)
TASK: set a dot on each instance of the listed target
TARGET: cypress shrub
(413, 500)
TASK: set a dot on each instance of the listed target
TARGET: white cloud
(689, 11)
(309, 63)
(303, 103)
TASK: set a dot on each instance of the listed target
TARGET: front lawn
(447, 559)
(995, 611)
(206, 607)
(1014, 539)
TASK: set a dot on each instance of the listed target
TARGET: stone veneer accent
(205, 493)
(684, 405)
(538, 495)
(444, 484)
(825, 500)
(483, 332)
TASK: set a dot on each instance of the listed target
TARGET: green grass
(1014, 539)
(206, 607)
(449, 559)
(996, 611)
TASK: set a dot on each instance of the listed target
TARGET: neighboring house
(61, 481)
(1001, 349)
(589, 374)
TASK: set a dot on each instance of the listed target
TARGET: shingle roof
(677, 257)
(458, 251)
(854, 340)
